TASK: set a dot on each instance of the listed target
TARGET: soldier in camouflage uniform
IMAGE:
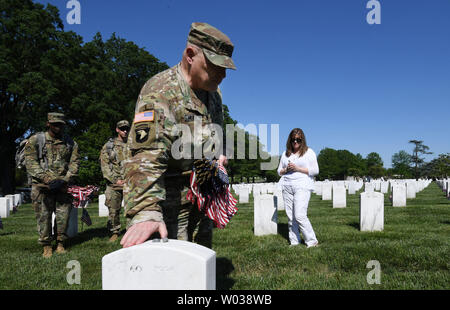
(52, 167)
(184, 98)
(111, 157)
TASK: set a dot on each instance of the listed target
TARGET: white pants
(296, 200)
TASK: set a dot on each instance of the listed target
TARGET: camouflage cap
(216, 46)
(56, 118)
(123, 123)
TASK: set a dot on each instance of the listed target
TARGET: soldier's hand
(57, 185)
(140, 232)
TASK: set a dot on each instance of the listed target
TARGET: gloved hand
(57, 185)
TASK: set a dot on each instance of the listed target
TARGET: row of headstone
(444, 184)
(8, 203)
(181, 265)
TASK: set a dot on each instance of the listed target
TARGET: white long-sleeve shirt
(308, 160)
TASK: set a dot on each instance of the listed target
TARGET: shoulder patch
(146, 116)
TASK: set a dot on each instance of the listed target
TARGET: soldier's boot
(47, 251)
(60, 248)
(114, 237)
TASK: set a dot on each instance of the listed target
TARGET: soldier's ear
(189, 54)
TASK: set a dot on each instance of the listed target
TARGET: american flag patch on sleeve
(146, 116)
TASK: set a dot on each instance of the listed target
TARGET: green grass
(413, 250)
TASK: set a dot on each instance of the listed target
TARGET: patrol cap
(123, 123)
(216, 46)
(56, 118)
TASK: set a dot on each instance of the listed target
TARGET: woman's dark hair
(303, 146)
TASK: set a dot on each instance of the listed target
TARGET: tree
(36, 62)
(45, 69)
(438, 167)
(374, 165)
(401, 164)
(419, 149)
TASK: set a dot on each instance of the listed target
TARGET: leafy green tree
(438, 167)
(45, 69)
(419, 149)
(37, 59)
(401, 164)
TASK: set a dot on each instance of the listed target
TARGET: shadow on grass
(224, 267)
(87, 235)
(445, 222)
(354, 225)
(6, 234)
(283, 231)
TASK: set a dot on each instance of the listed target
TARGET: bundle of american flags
(81, 196)
(1, 224)
(209, 189)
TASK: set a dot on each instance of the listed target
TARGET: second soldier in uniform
(112, 156)
(52, 161)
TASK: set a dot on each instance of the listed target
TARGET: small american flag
(86, 218)
(1, 224)
(219, 206)
(81, 195)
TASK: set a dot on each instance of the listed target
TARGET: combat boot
(47, 251)
(113, 237)
(60, 249)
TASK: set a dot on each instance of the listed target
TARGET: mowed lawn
(413, 250)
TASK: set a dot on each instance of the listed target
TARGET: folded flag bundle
(81, 196)
(209, 189)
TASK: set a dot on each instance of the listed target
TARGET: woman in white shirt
(298, 166)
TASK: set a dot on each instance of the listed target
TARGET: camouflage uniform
(156, 182)
(62, 162)
(112, 156)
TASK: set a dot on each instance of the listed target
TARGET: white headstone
(352, 187)
(318, 188)
(411, 190)
(371, 211)
(399, 195)
(243, 195)
(368, 187)
(172, 265)
(102, 209)
(18, 199)
(13, 201)
(384, 187)
(326, 191)
(5, 207)
(339, 197)
(265, 215)
(279, 200)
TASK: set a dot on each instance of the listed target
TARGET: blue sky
(314, 64)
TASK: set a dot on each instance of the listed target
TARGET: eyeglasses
(124, 128)
(296, 140)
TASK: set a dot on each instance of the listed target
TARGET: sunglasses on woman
(296, 140)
